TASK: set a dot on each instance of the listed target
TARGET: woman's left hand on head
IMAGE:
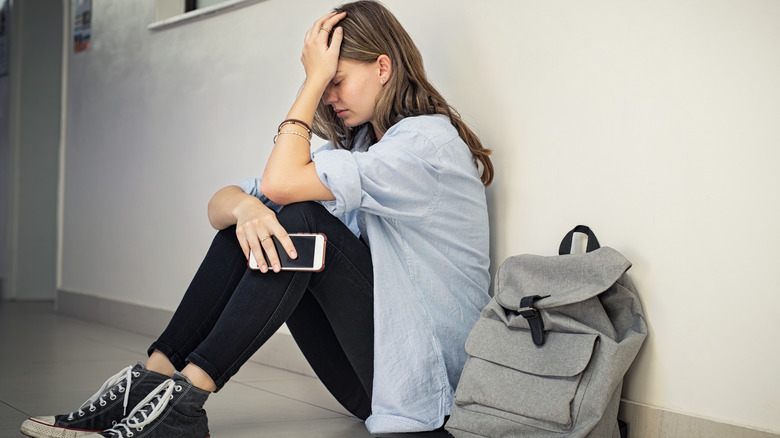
(320, 60)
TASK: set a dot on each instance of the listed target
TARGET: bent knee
(301, 217)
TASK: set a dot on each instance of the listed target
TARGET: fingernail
(293, 255)
(276, 268)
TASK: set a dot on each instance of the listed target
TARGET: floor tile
(255, 372)
(242, 404)
(56, 388)
(327, 428)
(10, 420)
(307, 390)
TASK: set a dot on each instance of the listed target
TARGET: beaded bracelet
(291, 132)
(295, 122)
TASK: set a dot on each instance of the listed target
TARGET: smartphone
(310, 249)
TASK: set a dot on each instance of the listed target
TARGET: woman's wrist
(308, 99)
(246, 207)
(222, 206)
(315, 86)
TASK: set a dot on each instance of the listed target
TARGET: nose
(329, 96)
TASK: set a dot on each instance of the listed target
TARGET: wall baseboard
(651, 422)
(281, 351)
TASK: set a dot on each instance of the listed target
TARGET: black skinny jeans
(230, 311)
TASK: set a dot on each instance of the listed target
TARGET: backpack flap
(561, 280)
(542, 293)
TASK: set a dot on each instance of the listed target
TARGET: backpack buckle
(527, 312)
(533, 316)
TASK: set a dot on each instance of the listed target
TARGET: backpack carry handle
(593, 243)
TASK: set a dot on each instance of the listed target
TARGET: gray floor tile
(307, 390)
(328, 428)
(10, 420)
(54, 388)
(255, 372)
(240, 404)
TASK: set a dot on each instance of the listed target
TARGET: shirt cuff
(338, 171)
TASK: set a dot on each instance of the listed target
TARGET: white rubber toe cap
(43, 427)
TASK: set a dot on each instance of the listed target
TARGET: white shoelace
(147, 410)
(125, 375)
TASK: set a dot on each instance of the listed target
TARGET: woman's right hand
(255, 224)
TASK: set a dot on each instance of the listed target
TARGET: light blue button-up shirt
(417, 199)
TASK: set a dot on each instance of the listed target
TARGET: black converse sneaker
(103, 410)
(174, 409)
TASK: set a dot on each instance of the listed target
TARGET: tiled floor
(50, 364)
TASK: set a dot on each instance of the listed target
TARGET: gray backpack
(548, 354)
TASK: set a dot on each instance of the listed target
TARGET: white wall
(653, 122)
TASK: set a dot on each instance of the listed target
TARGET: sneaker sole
(37, 429)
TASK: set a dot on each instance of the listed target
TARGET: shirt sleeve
(395, 178)
(251, 186)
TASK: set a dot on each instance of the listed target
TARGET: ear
(385, 68)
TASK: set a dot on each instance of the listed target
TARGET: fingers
(335, 42)
(280, 234)
(325, 24)
(255, 237)
(284, 239)
(267, 244)
(331, 22)
(249, 237)
(319, 27)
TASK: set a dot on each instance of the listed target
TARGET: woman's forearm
(289, 174)
(291, 152)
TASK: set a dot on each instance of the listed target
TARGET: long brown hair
(371, 30)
